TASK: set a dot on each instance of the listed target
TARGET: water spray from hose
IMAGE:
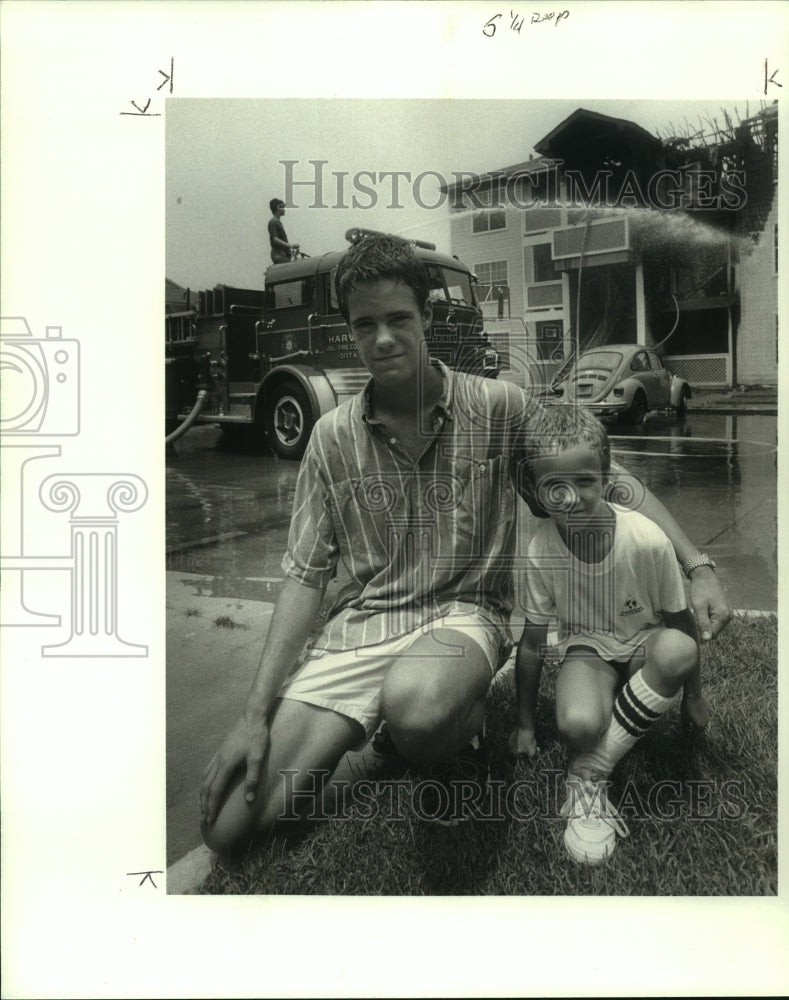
(673, 328)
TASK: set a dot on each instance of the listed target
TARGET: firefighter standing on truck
(278, 238)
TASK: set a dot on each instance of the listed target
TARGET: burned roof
(584, 128)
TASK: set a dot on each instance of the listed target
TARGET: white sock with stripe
(636, 708)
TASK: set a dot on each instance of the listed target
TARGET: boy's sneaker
(455, 790)
(592, 822)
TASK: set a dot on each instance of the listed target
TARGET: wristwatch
(700, 560)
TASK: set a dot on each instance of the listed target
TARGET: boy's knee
(225, 840)
(238, 824)
(429, 716)
(579, 728)
(412, 701)
(674, 653)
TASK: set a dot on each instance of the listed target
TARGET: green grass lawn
(711, 832)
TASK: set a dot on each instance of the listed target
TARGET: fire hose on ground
(189, 421)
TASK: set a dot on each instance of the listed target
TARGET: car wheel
(289, 420)
(637, 410)
(682, 406)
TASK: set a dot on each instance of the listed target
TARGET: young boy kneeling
(626, 639)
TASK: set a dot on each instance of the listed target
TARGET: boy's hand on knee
(246, 744)
(523, 743)
(709, 602)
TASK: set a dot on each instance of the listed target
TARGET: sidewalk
(741, 399)
(213, 649)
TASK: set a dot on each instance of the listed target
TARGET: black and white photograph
(391, 449)
(578, 261)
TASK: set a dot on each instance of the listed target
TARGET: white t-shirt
(611, 605)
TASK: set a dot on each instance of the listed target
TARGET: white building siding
(758, 285)
(501, 244)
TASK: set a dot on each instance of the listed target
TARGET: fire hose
(189, 421)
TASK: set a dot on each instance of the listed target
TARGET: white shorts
(350, 682)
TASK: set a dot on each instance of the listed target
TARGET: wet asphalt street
(228, 508)
(228, 513)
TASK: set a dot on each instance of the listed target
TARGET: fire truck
(276, 360)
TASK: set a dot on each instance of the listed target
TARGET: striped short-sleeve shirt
(419, 539)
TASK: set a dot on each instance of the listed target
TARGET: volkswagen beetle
(621, 380)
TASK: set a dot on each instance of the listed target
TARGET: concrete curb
(733, 401)
(728, 410)
(186, 875)
(752, 613)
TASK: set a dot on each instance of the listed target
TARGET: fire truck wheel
(289, 420)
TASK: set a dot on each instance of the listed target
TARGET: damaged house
(613, 235)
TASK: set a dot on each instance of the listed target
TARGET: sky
(223, 165)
